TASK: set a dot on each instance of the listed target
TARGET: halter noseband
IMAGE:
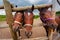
(27, 25)
(17, 22)
(49, 19)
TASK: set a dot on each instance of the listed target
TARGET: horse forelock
(46, 12)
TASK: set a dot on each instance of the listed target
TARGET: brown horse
(50, 24)
(28, 22)
(17, 23)
(24, 18)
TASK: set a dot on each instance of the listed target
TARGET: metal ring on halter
(27, 25)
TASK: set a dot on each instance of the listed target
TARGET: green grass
(36, 16)
(58, 13)
(3, 17)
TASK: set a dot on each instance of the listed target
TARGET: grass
(58, 13)
(36, 16)
(3, 17)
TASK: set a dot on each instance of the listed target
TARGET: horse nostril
(54, 26)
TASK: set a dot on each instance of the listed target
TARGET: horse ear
(46, 7)
(32, 7)
(39, 9)
(16, 6)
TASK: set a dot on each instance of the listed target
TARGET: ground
(38, 31)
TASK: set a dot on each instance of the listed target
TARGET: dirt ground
(38, 31)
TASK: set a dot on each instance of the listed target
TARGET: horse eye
(42, 14)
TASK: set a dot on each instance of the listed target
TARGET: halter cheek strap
(27, 25)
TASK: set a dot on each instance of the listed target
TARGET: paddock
(38, 32)
(9, 9)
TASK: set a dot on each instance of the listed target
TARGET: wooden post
(53, 15)
(9, 17)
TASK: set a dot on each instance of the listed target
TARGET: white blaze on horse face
(18, 13)
(28, 13)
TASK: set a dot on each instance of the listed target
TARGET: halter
(17, 22)
(46, 19)
(49, 19)
(27, 25)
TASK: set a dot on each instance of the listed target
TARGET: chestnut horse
(24, 18)
(17, 23)
(28, 21)
(50, 24)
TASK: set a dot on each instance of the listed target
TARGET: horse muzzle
(53, 26)
(16, 28)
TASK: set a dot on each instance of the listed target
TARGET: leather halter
(49, 19)
(27, 25)
(44, 20)
(17, 22)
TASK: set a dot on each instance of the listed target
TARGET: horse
(17, 24)
(28, 21)
(24, 18)
(50, 24)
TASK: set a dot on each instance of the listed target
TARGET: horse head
(17, 21)
(28, 21)
(17, 24)
(47, 18)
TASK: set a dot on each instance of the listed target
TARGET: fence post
(9, 17)
(53, 10)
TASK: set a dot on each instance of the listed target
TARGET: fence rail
(26, 7)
